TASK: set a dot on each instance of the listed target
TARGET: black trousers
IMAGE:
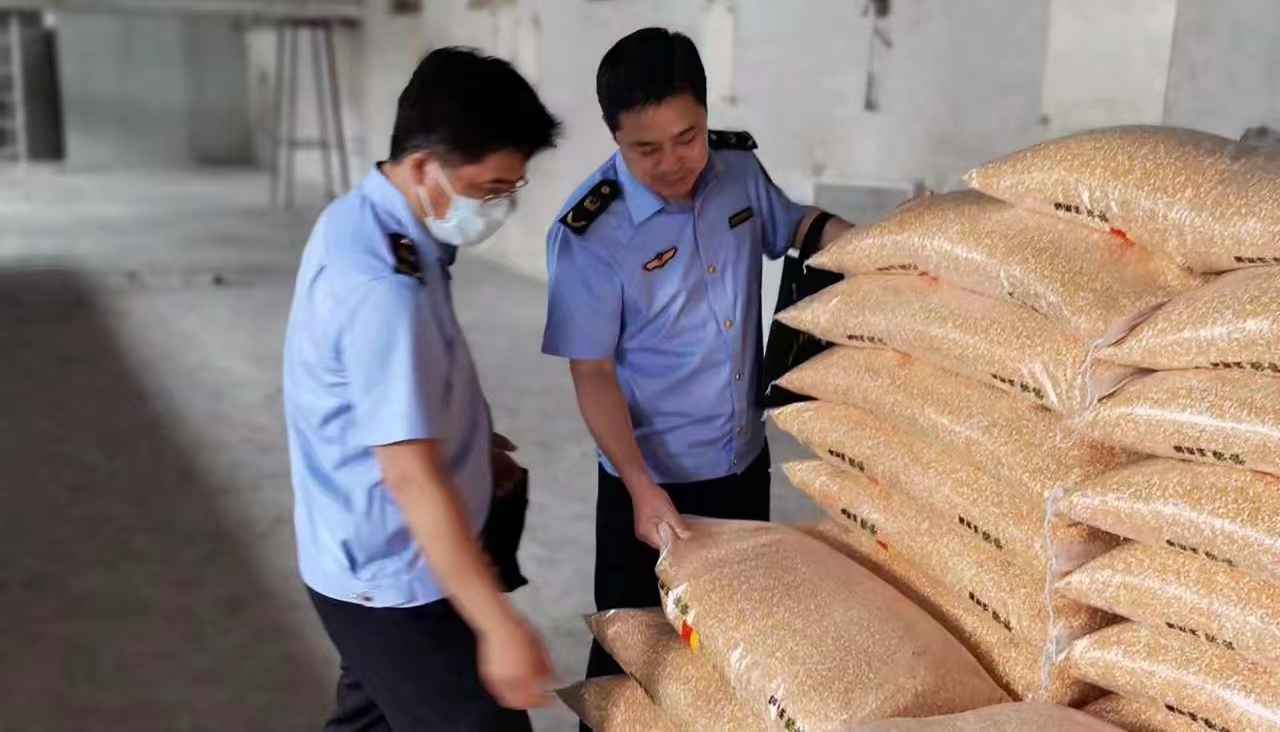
(625, 565)
(409, 670)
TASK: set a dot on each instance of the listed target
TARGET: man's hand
(506, 471)
(653, 508)
(514, 665)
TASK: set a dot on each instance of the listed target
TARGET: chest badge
(741, 217)
(661, 260)
(406, 257)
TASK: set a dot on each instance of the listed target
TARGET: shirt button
(739, 430)
(728, 325)
(737, 376)
(711, 270)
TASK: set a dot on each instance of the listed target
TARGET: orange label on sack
(689, 636)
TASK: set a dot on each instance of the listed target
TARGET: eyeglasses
(507, 194)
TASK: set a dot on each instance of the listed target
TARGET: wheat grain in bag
(1001, 516)
(1141, 715)
(1092, 282)
(1227, 418)
(1022, 717)
(1221, 514)
(1211, 203)
(1021, 443)
(807, 638)
(1000, 342)
(1231, 324)
(1021, 669)
(689, 693)
(1011, 598)
(1218, 688)
(614, 704)
(1210, 602)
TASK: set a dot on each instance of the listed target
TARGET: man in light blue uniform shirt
(654, 269)
(390, 441)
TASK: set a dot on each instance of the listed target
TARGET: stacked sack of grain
(967, 329)
(776, 631)
(1198, 577)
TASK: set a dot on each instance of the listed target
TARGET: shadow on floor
(125, 603)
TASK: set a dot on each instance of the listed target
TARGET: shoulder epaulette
(405, 255)
(585, 212)
(723, 140)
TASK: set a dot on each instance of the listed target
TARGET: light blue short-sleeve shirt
(373, 356)
(672, 294)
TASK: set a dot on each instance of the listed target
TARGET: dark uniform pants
(409, 670)
(625, 565)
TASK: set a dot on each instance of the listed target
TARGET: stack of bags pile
(969, 340)
(1198, 577)
(982, 422)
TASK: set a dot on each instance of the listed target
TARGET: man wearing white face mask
(394, 461)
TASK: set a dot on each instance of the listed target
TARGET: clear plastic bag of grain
(998, 342)
(1019, 442)
(807, 638)
(1213, 686)
(1223, 515)
(1231, 324)
(1141, 715)
(1021, 717)
(1227, 418)
(689, 693)
(1094, 283)
(1021, 669)
(1211, 203)
(1164, 587)
(614, 704)
(1011, 598)
(1000, 517)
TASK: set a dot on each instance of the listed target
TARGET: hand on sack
(653, 509)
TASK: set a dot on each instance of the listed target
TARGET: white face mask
(469, 221)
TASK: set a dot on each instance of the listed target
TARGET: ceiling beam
(250, 9)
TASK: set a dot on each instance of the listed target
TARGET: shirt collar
(391, 202)
(642, 202)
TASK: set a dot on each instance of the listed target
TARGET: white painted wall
(961, 85)
(1108, 63)
(1225, 75)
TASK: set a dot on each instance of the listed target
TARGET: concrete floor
(148, 579)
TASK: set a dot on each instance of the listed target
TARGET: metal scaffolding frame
(13, 93)
(331, 142)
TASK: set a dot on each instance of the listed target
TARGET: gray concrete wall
(124, 89)
(152, 90)
(1225, 74)
(218, 97)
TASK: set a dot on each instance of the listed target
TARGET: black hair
(648, 67)
(463, 106)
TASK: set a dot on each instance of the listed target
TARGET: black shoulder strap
(787, 347)
(812, 240)
(405, 255)
(726, 140)
(585, 212)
